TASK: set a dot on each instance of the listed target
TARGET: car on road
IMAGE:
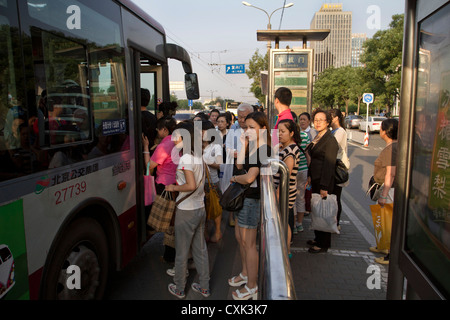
(374, 124)
(7, 279)
(352, 121)
(179, 117)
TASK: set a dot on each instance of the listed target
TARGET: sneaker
(171, 272)
(300, 228)
(177, 293)
(295, 231)
(197, 288)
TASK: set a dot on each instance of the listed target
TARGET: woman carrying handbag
(337, 126)
(384, 171)
(323, 152)
(190, 214)
(247, 219)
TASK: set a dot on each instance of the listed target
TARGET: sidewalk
(341, 273)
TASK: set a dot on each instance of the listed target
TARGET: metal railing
(275, 275)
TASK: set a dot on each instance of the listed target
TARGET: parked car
(352, 121)
(7, 279)
(374, 124)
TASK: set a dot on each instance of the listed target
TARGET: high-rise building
(358, 40)
(336, 49)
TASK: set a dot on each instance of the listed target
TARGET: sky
(220, 32)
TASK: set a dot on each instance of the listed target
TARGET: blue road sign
(190, 103)
(235, 68)
(368, 97)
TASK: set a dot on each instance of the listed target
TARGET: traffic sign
(235, 68)
(368, 98)
(190, 103)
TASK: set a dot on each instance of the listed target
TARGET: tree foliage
(383, 59)
(381, 75)
(257, 64)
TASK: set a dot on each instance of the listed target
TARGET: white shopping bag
(324, 213)
(226, 172)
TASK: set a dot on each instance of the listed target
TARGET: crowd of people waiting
(309, 153)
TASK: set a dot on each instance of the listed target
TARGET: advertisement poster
(13, 253)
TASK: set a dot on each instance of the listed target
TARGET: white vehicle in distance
(7, 280)
(374, 124)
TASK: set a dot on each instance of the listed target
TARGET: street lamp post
(269, 47)
(269, 26)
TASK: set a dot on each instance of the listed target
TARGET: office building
(358, 40)
(336, 49)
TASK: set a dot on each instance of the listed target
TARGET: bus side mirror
(191, 83)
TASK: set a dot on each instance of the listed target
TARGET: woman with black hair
(384, 171)
(257, 147)
(290, 141)
(161, 158)
(213, 157)
(337, 126)
(323, 152)
(190, 213)
(167, 109)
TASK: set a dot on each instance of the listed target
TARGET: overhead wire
(203, 63)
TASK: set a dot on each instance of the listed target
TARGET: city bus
(420, 244)
(71, 164)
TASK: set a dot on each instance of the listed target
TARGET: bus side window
(14, 111)
(64, 114)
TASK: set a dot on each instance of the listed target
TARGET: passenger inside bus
(102, 146)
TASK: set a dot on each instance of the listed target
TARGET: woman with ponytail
(337, 127)
(290, 140)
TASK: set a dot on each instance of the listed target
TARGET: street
(341, 273)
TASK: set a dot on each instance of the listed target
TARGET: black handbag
(374, 189)
(233, 198)
(341, 172)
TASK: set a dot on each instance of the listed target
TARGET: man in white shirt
(233, 142)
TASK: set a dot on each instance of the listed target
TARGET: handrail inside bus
(174, 51)
(275, 275)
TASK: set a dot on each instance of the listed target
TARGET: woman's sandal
(251, 293)
(233, 283)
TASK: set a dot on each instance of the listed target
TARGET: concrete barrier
(356, 136)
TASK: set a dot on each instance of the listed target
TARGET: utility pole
(212, 94)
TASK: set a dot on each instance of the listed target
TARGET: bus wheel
(79, 267)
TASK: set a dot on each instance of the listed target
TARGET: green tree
(257, 64)
(360, 85)
(383, 58)
(324, 88)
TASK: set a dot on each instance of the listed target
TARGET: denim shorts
(248, 217)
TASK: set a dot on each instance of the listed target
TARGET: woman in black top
(257, 151)
(323, 152)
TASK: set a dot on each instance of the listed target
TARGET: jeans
(248, 217)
